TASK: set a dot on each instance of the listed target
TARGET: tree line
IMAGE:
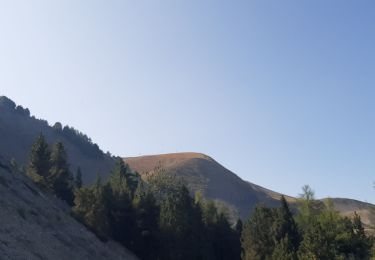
(317, 231)
(157, 218)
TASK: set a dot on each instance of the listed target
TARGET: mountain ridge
(244, 194)
(18, 131)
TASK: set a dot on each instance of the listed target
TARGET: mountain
(18, 131)
(35, 225)
(202, 173)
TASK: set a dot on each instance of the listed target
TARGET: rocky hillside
(18, 131)
(202, 173)
(37, 226)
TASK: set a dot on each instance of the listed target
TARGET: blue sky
(280, 92)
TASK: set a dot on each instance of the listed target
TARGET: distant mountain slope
(204, 174)
(18, 132)
(36, 226)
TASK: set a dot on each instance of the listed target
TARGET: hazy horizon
(280, 93)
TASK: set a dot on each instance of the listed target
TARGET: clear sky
(280, 92)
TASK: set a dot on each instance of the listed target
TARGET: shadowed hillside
(18, 131)
(202, 173)
(35, 225)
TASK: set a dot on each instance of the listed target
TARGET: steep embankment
(18, 131)
(37, 226)
(202, 173)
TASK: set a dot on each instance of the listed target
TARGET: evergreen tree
(121, 214)
(39, 162)
(60, 180)
(284, 250)
(181, 226)
(78, 179)
(257, 236)
(92, 209)
(361, 243)
(285, 226)
(239, 227)
(147, 219)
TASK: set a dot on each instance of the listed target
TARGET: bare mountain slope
(18, 131)
(202, 173)
(36, 226)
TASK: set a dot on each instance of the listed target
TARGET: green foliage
(257, 235)
(147, 220)
(284, 250)
(180, 225)
(39, 163)
(60, 179)
(78, 179)
(83, 141)
(319, 233)
(92, 209)
(285, 229)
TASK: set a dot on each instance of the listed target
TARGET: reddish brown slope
(202, 173)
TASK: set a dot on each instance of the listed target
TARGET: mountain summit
(214, 181)
(202, 173)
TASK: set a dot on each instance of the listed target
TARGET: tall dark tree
(92, 209)
(39, 162)
(239, 227)
(286, 229)
(121, 213)
(257, 236)
(181, 226)
(60, 179)
(147, 219)
(78, 179)
(361, 243)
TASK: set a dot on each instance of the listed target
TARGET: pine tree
(121, 213)
(361, 243)
(181, 226)
(239, 227)
(257, 236)
(285, 226)
(78, 179)
(60, 180)
(283, 250)
(39, 163)
(92, 209)
(147, 219)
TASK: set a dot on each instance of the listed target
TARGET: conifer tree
(92, 209)
(78, 179)
(239, 227)
(39, 162)
(181, 226)
(257, 236)
(121, 214)
(147, 219)
(361, 243)
(285, 226)
(60, 180)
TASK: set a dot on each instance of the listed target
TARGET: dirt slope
(36, 226)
